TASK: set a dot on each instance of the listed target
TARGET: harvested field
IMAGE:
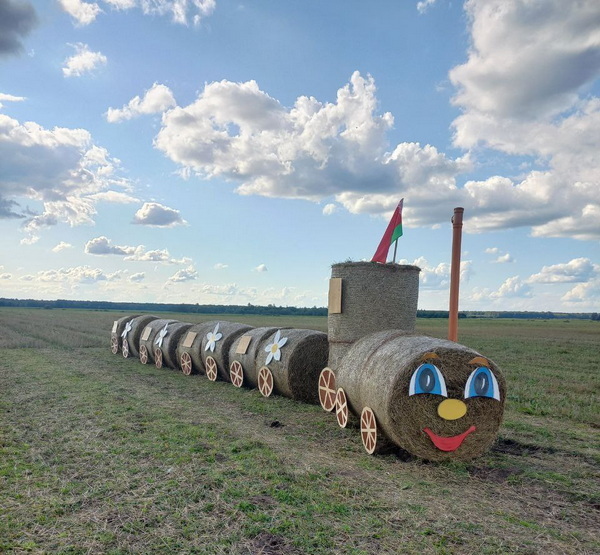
(103, 454)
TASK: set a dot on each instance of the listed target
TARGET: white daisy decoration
(161, 335)
(212, 336)
(274, 349)
(127, 329)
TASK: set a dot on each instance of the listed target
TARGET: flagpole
(395, 247)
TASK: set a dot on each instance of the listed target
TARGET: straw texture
(195, 349)
(296, 374)
(376, 372)
(248, 359)
(133, 337)
(375, 297)
(170, 343)
(230, 332)
(155, 326)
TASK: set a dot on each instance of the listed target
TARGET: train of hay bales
(434, 398)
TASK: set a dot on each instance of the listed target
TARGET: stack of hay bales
(301, 359)
(367, 297)
(171, 342)
(116, 336)
(377, 372)
(191, 344)
(218, 350)
(245, 351)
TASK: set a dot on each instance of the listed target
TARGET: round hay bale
(191, 343)
(171, 342)
(137, 326)
(248, 358)
(295, 358)
(374, 297)
(150, 332)
(116, 335)
(432, 397)
(217, 342)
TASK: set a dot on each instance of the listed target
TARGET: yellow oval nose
(452, 409)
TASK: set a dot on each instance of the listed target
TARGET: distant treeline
(268, 310)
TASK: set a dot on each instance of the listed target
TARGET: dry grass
(101, 454)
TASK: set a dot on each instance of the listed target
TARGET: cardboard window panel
(189, 339)
(146, 333)
(335, 296)
(243, 345)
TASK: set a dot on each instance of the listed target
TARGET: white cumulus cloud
(62, 246)
(158, 215)
(260, 268)
(83, 61)
(83, 13)
(185, 274)
(575, 271)
(156, 100)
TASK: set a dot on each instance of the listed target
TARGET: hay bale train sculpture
(434, 398)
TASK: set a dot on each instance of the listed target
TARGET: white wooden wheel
(114, 344)
(327, 391)
(341, 408)
(236, 373)
(158, 358)
(211, 369)
(144, 354)
(265, 381)
(368, 430)
(125, 349)
(186, 363)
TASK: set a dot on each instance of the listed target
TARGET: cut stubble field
(100, 454)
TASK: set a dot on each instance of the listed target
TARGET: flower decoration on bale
(274, 349)
(128, 327)
(212, 337)
(161, 335)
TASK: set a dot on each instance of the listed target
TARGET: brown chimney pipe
(457, 223)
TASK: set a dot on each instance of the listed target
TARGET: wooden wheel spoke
(265, 381)
(114, 344)
(368, 430)
(327, 391)
(211, 369)
(341, 408)
(158, 358)
(186, 363)
(144, 354)
(236, 373)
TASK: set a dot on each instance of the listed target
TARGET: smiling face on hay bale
(448, 404)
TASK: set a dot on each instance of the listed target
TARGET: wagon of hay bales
(126, 334)
(434, 398)
(242, 356)
(152, 340)
(289, 363)
(120, 330)
(190, 347)
(215, 348)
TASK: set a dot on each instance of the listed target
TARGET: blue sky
(229, 152)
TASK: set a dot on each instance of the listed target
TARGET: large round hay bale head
(215, 348)
(138, 323)
(190, 346)
(171, 341)
(292, 359)
(244, 351)
(366, 297)
(155, 331)
(433, 398)
(120, 330)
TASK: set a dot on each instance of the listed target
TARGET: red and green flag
(392, 234)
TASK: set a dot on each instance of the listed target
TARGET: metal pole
(457, 222)
(395, 247)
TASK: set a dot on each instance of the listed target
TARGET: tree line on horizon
(271, 309)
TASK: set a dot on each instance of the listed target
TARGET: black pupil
(427, 380)
(481, 384)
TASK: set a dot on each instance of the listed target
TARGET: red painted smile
(448, 443)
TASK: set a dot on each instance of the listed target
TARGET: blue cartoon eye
(482, 383)
(427, 379)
